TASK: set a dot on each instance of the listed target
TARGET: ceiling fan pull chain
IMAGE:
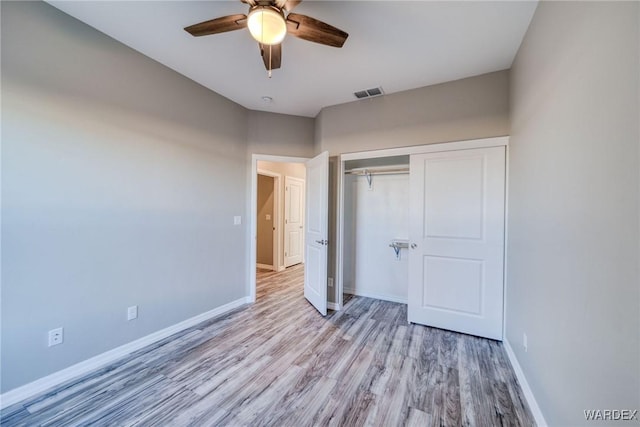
(270, 58)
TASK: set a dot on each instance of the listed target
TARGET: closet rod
(377, 171)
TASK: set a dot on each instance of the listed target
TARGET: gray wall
(475, 107)
(573, 284)
(471, 108)
(280, 134)
(120, 180)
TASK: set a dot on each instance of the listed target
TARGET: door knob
(413, 246)
(322, 242)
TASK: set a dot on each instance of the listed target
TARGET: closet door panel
(457, 240)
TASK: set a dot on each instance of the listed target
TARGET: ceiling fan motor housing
(267, 24)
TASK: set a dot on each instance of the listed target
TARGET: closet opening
(376, 228)
(424, 226)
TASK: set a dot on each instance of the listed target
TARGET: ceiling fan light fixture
(267, 25)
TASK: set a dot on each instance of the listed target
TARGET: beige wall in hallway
(265, 220)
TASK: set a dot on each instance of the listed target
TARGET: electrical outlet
(525, 344)
(132, 312)
(56, 336)
(330, 282)
(237, 220)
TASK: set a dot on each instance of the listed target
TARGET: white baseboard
(524, 384)
(43, 384)
(333, 306)
(383, 297)
(265, 266)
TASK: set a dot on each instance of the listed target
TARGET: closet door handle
(413, 246)
(322, 242)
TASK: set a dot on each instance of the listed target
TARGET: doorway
(278, 215)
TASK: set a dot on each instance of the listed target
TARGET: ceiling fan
(269, 24)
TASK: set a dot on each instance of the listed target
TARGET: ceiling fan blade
(271, 55)
(218, 25)
(249, 2)
(311, 29)
(289, 5)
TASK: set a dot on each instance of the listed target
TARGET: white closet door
(316, 231)
(293, 220)
(457, 240)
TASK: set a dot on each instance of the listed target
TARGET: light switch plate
(237, 220)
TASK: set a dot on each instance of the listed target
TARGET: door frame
(276, 218)
(403, 151)
(253, 214)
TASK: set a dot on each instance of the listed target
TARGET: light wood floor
(279, 363)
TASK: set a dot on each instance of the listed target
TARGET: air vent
(375, 91)
(369, 93)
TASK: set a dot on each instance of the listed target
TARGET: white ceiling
(398, 45)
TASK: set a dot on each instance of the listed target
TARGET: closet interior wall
(376, 213)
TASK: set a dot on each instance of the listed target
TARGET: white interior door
(456, 233)
(316, 231)
(293, 220)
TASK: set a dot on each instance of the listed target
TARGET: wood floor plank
(278, 363)
(417, 418)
